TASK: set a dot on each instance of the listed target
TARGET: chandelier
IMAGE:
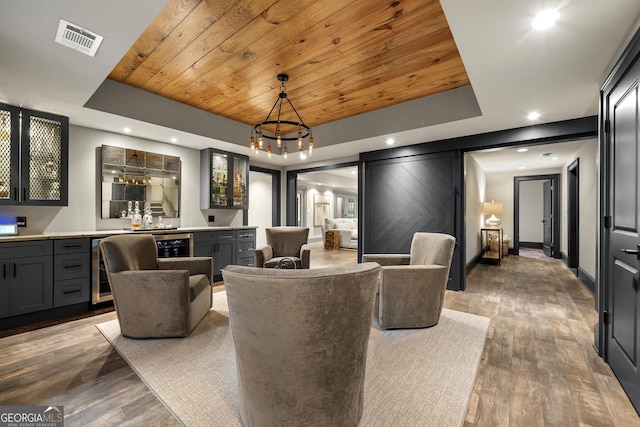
(278, 130)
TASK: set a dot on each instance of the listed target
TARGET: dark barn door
(623, 302)
(407, 195)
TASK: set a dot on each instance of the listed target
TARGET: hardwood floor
(538, 367)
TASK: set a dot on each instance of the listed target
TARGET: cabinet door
(224, 255)
(5, 290)
(45, 155)
(240, 182)
(9, 154)
(31, 284)
(218, 169)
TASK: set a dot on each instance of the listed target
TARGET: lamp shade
(492, 208)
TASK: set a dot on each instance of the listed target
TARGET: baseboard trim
(475, 261)
(531, 245)
(588, 281)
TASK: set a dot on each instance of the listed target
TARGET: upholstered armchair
(285, 242)
(301, 340)
(155, 297)
(412, 287)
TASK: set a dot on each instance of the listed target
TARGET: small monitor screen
(8, 229)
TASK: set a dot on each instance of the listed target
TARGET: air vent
(78, 38)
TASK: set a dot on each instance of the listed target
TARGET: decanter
(136, 219)
(147, 219)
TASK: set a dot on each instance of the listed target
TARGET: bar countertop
(104, 233)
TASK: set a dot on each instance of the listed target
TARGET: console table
(491, 244)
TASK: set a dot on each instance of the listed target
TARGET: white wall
(531, 212)
(474, 186)
(260, 204)
(588, 208)
(83, 212)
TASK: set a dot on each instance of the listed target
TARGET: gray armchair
(285, 242)
(301, 340)
(412, 286)
(155, 297)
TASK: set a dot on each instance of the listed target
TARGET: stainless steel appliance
(169, 246)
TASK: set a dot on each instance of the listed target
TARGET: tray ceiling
(343, 58)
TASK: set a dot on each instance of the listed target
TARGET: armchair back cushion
(301, 340)
(120, 253)
(432, 249)
(286, 241)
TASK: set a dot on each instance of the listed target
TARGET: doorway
(573, 226)
(550, 213)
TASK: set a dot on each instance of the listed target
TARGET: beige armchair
(285, 242)
(155, 297)
(301, 340)
(412, 286)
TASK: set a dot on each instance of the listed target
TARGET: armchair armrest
(305, 256)
(263, 255)
(195, 265)
(387, 259)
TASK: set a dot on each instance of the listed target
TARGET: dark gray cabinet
(71, 271)
(34, 153)
(27, 277)
(226, 247)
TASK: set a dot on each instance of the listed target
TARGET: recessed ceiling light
(522, 150)
(391, 141)
(545, 19)
(354, 172)
(555, 158)
(174, 139)
(127, 130)
(522, 167)
(534, 115)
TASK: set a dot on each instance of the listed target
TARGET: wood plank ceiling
(343, 58)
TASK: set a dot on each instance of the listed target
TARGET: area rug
(414, 377)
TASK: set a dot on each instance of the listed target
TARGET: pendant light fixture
(277, 130)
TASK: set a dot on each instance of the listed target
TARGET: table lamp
(492, 209)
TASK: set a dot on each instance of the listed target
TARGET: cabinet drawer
(246, 234)
(32, 248)
(246, 246)
(246, 260)
(73, 291)
(71, 246)
(71, 266)
(226, 235)
(204, 236)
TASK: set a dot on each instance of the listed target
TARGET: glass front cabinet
(225, 180)
(34, 152)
